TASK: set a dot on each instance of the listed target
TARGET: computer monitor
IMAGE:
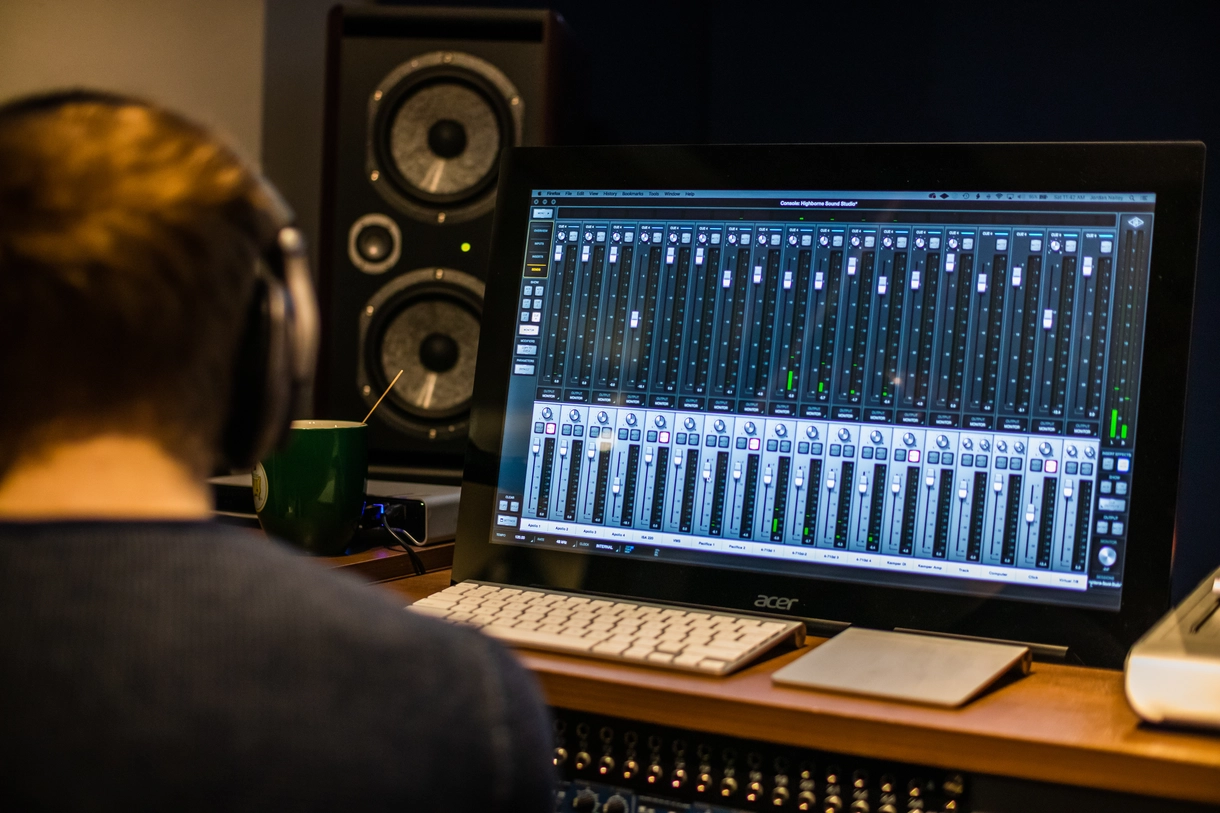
(936, 387)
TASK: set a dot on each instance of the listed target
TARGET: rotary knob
(920, 242)
(644, 238)
(750, 428)
(1090, 452)
(588, 237)
(689, 423)
(718, 425)
(547, 414)
(888, 242)
(728, 786)
(1019, 447)
(824, 240)
(967, 443)
(781, 431)
(659, 421)
(585, 801)
(733, 239)
(792, 239)
(1001, 446)
(1055, 245)
(602, 417)
(844, 435)
(811, 432)
(908, 439)
(952, 242)
(615, 804)
(702, 237)
(985, 445)
(631, 419)
(562, 236)
(673, 237)
(1107, 556)
(616, 236)
(1044, 448)
(605, 765)
(875, 436)
(574, 416)
(1072, 452)
(942, 441)
(762, 239)
(855, 241)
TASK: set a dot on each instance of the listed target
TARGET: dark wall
(717, 71)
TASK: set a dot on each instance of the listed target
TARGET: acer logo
(775, 602)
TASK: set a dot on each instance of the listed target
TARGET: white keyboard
(651, 634)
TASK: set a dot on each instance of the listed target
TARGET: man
(150, 659)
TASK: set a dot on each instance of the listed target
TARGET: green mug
(311, 493)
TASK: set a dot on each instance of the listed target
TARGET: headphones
(273, 366)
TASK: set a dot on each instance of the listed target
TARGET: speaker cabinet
(419, 104)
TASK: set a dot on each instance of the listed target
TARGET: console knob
(781, 431)
(832, 804)
(582, 760)
(602, 417)
(1072, 452)
(1055, 245)
(678, 778)
(824, 240)
(807, 799)
(875, 436)
(615, 804)
(1001, 446)
(560, 757)
(920, 242)
(655, 773)
(952, 242)
(855, 241)
(659, 421)
(673, 237)
(728, 786)
(908, 439)
(616, 236)
(1107, 556)
(631, 419)
(750, 428)
(985, 445)
(563, 235)
(689, 423)
(718, 425)
(844, 435)
(574, 415)
(762, 239)
(811, 432)
(588, 237)
(586, 800)
(942, 441)
(1044, 448)
(792, 239)
(703, 237)
(630, 768)
(887, 241)
(779, 796)
(967, 443)
(547, 414)
(1019, 447)
(1090, 452)
(644, 237)
(605, 765)
(733, 239)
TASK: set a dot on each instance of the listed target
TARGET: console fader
(904, 391)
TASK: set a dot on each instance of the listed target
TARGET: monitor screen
(920, 389)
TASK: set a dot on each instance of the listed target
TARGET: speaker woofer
(426, 323)
(436, 127)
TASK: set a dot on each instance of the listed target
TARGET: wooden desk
(1062, 724)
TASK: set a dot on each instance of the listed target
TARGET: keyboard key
(687, 660)
(437, 612)
(672, 647)
(638, 653)
(660, 657)
(711, 664)
(536, 638)
(611, 648)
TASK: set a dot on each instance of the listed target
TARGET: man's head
(128, 242)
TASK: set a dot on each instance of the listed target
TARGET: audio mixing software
(923, 389)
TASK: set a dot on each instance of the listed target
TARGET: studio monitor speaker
(419, 104)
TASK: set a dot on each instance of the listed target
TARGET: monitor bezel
(1171, 170)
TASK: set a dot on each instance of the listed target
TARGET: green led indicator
(774, 525)
(1124, 432)
(821, 387)
(790, 376)
(1113, 422)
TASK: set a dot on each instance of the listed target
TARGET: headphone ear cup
(262, 379)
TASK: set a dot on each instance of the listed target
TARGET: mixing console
(942, 393)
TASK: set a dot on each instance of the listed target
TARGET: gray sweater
(192, 666)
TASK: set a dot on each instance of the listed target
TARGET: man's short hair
(127, 249)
